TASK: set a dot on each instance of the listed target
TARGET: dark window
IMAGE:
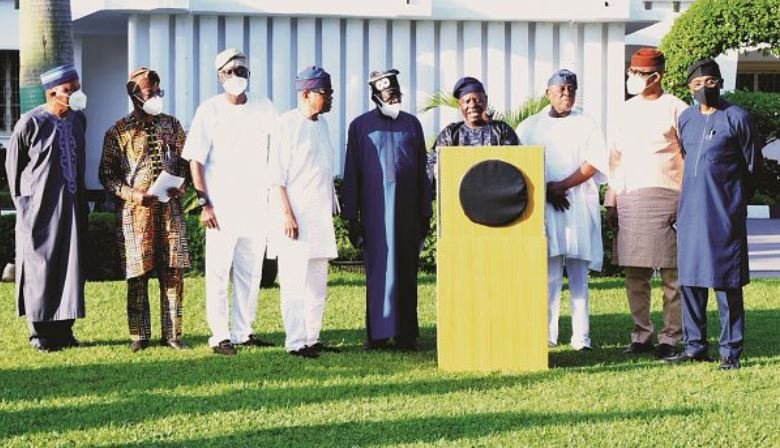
(9, 90)
(648, 6)
(745, 81)
(769, 82)
(16, 4)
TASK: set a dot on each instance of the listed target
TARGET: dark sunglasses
(242, 72)
(142, 97)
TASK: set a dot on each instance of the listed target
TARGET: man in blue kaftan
(45, 166)
(721, 149)
(387, 200)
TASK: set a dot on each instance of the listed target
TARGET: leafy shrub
(7, 239)
(765, 109)
(5, 199)
(711, 27)
(103, 260)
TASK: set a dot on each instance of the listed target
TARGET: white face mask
(153, 106)
(235, 85)
(635, 84)
(76, 100)
(390, 110)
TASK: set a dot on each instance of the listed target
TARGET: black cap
(703, 67)
(467, 85)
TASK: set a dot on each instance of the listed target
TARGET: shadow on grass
(610, 334)
(425, 430)
(132, 393)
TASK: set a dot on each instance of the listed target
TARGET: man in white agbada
(302, 168)
(576, 162)
(227, 147)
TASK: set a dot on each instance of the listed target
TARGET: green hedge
(347, 252)
(5, 200)
(765, 109)
(8, 239)
(711, 27)
(103, 260)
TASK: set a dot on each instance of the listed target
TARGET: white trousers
(304, 287)
(244, 255)
(577, 271)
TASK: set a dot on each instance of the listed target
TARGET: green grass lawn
(104, 395)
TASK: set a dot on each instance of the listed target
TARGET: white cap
(228, 55)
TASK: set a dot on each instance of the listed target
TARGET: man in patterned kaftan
(151, 229)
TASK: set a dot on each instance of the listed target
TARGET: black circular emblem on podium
(493, 193)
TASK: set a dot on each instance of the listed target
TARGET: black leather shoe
(641, 347)
(305, 352)
(684, 357)
(174, 344)
(252, 341)
(663, 351)
(320, 347)
(36, 343)
(728, 363)
(225, 347)
(407, 345)
(137, 346)
(73, 343)
(376, 344)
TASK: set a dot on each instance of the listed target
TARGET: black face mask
(708, 96)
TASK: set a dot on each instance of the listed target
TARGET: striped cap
(58, 75)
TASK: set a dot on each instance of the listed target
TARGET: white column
(184, 58)
(402, 61)
(355, 76)
(425, 61)
(543, 56)
(282, 87)
(207, 51)
(258, 56)
(472, 49)
(728, 68)
(331, 62)
(496, 67)
(569, 50)
(137, 41)
(377, 45)
(449, 69)
(78, 56)
(307, 43)
(160, 55)
(520, 74)
(616, 56)
(592, 79)
(234, 33)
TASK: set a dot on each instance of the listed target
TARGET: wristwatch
(202, 201)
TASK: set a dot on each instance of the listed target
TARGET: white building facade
(513, 47)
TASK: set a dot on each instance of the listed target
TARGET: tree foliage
(711, 27)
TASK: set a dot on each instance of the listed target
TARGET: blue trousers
(732, 320)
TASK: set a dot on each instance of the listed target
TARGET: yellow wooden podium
(491, 281)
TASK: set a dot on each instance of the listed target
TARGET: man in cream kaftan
(576, 162)
(302, 168)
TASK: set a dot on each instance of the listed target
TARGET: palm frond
(514, 117)
(442, 98)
